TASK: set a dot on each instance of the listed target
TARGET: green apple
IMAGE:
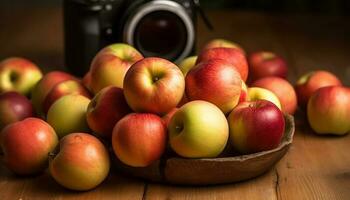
(257, 93)
(199, 129)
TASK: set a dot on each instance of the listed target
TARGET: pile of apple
(145, 107)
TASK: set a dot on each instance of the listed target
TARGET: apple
(87, 80)
(68, 114)
(265, 63)
(167, 117)
(216, 81)
(257, 93)
(81, 163)
(14, 107)
(256, 126)
(244, 93)
(311, 81)
(187, 64)
(153, 85)
(18, 74)
(231, 55)
(43, 87)
(111, 64)
(106, 109)
(215, 43)
(64, 88)
(198, 129)
(328, 110)
(26, 145)
(139, 139)
(282, 89)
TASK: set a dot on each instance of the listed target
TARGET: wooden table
(316, 167)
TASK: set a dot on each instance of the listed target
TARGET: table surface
(315, 167)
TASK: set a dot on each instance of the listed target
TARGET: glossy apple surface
(82, 162)
(110, 65)
(153, 85)
(26, 145)
(18, 74)
(282, 89)
(256, 126)
(257, 93)
(106, 109)
(310, 82)
(14, 107)
(139, 139)
(68, 115)
(233, 56)
(198, 129)
(216, 81)
(328, 110)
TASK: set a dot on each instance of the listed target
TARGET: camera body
(163, 28)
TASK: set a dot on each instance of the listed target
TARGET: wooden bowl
(206, 171)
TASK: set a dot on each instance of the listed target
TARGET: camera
(163, 28)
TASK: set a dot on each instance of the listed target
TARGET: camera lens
(161, 33)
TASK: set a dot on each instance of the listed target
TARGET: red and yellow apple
(153, 85)
(230, 55)
(215, 43)
(139, 139)
(198, 129)
(167, 117)
(244, 93)
(82, 162)
(282, 89)
(106, 109)
(110, 65)
(310, 82)
(256, 126)
(187, 64)
(216, 81)
(18, 74)
(328, 110)
(257, 93)
(68, 114)
(26, 145)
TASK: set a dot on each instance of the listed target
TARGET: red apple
(282, 89)
(215, 43)
(111, 64)
(244, 93)
(328, 110)
(26, 145)
(265, 63)
(87, 80)
(167, 117)
(14, 107)
(82, 162)
(64, 88)
(256, 126)
(18, 74)
(44, 86)
(216, 81)
(233, 56)
(106, 109)
(153, 85)
(310, 82)
(139, 139)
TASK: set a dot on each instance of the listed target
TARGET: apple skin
(256, 126)
(265, 63)
(215, 43)
(18, 74)
(187, 64)
(311, 81)
(231, 55)
(244, 93)
(86, 81)
(111, 64)
(216, 81)
(154, 85)
(82, 162)
(198, 129)
(328, 110)
(106, 109)
(43, 87)
(282, 89)
(257, 93)
(68, 114)
(64, 88)
(139, 139)
(14, 107)
(167, 117)
(26, 145)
